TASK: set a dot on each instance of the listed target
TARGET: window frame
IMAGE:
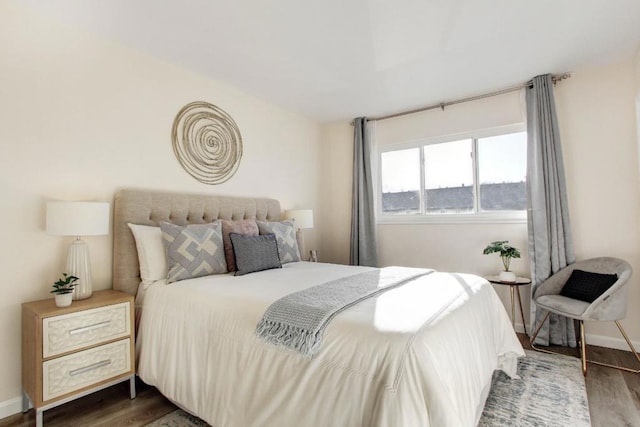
(475, 217)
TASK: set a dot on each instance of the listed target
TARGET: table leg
(513, 313)
(524, 323)
(39, 417)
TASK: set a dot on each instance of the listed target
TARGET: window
(401, 181)
(448, 177)
(482, 175)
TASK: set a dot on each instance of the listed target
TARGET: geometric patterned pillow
(285, 236)
(193, 251)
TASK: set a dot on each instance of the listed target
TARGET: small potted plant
(506, 252)
(63, 290)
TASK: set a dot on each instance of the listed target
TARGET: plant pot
(63, 300)
(507, 276)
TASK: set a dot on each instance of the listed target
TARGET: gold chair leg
(635, 353)
(583, 348)
(626, 338)
(535, 335)
(542, 350)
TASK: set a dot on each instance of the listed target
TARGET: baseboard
(609, 342)
(10, 407)
(617, 343)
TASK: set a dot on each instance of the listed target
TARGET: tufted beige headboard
(149, 207)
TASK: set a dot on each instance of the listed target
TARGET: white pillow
(151, 253)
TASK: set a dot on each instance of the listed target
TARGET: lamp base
(300, 240)
(78, 264)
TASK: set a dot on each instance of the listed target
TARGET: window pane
(448, 177)
(401, 181)
(502, 171)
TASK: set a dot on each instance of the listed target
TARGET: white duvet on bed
(419, 355)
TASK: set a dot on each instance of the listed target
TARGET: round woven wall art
(206, 142)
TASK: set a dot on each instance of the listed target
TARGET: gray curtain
(550, 243)
(363, 227)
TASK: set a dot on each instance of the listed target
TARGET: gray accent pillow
(194, 250)
(285, 236)
(255, 253)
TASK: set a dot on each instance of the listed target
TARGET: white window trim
(500, 217)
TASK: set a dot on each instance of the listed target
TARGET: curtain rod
(442, 105)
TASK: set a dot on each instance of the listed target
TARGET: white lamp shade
(302, 217)
(77, 218)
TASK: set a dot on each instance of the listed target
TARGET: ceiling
(338, 59)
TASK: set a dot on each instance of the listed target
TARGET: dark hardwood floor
(105, 408)
(614, 399)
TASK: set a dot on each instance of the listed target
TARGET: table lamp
(303, 219)
(78, 219)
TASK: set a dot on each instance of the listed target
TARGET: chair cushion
(587, 286)
(569, 307)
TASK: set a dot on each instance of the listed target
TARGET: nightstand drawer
(85, 368)
(76, 330)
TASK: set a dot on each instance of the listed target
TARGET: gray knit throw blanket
(298, 320)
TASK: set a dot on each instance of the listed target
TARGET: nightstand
(69, 352)
(514, 288)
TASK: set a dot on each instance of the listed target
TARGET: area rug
(178, 418)
(550, 392)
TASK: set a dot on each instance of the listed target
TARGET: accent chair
(593, 290)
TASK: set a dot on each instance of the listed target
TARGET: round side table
(514, 288)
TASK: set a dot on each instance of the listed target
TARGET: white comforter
(418, 355)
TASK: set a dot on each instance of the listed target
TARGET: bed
(421, 354)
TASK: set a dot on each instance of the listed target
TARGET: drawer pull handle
(90, 367)
(89, 328)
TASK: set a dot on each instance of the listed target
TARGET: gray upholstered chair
(610, 306)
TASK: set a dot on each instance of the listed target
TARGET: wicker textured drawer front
(75, 371)
(76, 330)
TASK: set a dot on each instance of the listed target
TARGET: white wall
(81, 117)
(596, 109)
(637, 92)
(334, 192)
(596, 112)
